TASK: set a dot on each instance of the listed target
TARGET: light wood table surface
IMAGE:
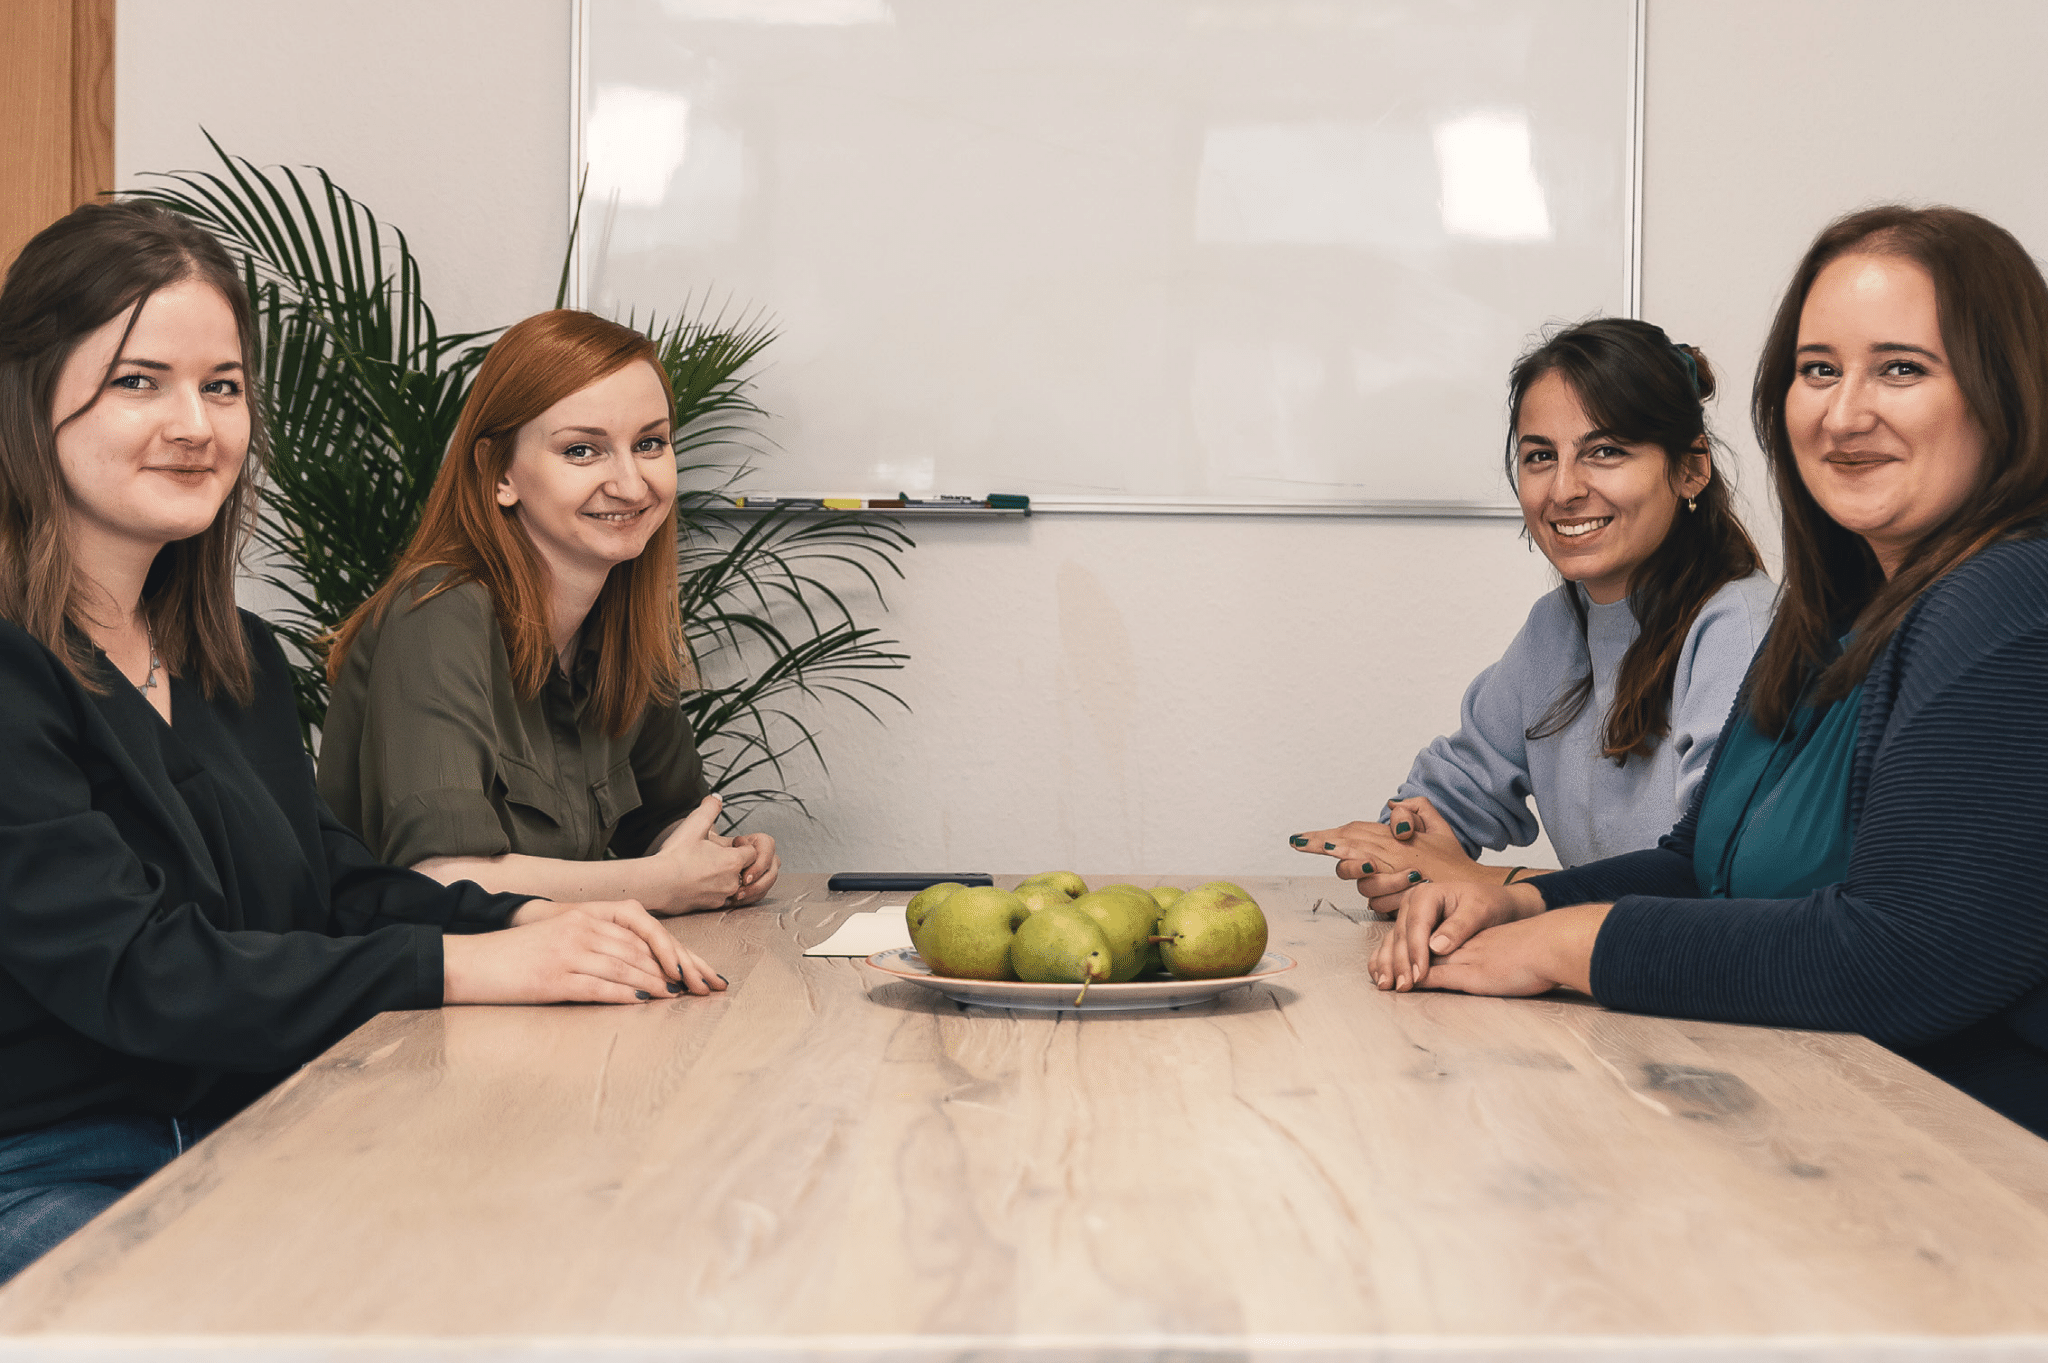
(827, 1161)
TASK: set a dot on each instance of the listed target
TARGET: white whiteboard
(1216, 254)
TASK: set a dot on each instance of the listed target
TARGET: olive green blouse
(429, 751)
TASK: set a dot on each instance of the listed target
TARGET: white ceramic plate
(905, 964)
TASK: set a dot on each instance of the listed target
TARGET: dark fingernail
(1329, 847)
(1401, 827)
(1298, 840)
(1365, 868)
(643, 996)
(1415, 877)
(675, 986)
(721, 977)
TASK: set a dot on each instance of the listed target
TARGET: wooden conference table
(828, 1161)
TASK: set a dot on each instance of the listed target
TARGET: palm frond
(361, 391)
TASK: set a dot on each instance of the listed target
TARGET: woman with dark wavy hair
(181, 920)
(1902, 398)
(1606, 707)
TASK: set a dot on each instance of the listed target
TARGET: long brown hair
(1639, 387)
(634, 622)
(75, 276)
(1993, 306)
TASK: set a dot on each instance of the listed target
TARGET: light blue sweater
(1482, 777)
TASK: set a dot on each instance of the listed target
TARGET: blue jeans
(55, 1179)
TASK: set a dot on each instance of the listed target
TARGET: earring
(1691, 505)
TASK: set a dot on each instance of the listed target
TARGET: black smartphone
(903, 880)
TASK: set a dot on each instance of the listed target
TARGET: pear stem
(1086, 980)
(1155, 941)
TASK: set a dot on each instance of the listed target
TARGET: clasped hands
(1457, 925)
(1414, 845)
(1486, 939)
(708, 870)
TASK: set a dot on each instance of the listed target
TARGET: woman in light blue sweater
(1606, 707)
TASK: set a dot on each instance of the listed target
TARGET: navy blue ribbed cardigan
(1936, 945)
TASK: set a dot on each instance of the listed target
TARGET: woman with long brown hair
(1607, 705)
(181, 921)
(505, 705)
(1902, 399)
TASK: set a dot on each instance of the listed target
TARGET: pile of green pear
(1052, 929)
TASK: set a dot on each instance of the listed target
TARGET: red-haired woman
(180, 919)
(505, 707)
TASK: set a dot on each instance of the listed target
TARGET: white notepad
(864, 934)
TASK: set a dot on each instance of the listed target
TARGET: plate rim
(1129, 989)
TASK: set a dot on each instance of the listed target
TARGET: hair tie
(1692, 370)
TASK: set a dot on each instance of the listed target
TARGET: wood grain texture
(57, 107)
(35, 111)
(92, 99)
(826, 1160)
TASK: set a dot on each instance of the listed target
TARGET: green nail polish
(1401, 827)
(1415, 877)
(643, 995)
(1365, 868)
(1298, 840)
(1329, 847)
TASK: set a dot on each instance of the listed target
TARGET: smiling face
(1882, 434)
(1596, 506)
(593, 476)
(161, 446)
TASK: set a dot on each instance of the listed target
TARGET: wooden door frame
(57, 88)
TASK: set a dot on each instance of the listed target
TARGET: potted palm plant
(362, 389)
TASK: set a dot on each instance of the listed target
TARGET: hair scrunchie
(1692, 370)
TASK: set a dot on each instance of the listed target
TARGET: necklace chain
(156, 664)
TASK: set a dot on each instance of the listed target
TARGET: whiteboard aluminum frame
(1631, 293)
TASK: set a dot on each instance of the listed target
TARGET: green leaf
(361, 392)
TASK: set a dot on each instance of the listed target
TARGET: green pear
(1127, 921)
(1041, 894)
(1065, 881)
(1141, 903)
(924, 901)
(1232, 886)
(1209, 933)
(1163, 896)
(1061, 946)
(968, 935)
(1142, 898)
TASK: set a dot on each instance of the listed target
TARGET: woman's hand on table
(1436, 920)
(606, 951)
(1387, 859)
(703, 870)
(757, 877)
(1529, 956)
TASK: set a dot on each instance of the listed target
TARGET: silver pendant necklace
(156, 664)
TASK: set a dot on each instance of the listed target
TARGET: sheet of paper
(864, 934)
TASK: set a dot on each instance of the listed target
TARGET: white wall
(448, 118)
(1766, 119)
(1143, 694)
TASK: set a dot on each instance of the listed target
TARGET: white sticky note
(864, 934)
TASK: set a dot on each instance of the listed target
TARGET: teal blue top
(1774, 822)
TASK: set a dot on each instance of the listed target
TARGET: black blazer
(175, 900)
